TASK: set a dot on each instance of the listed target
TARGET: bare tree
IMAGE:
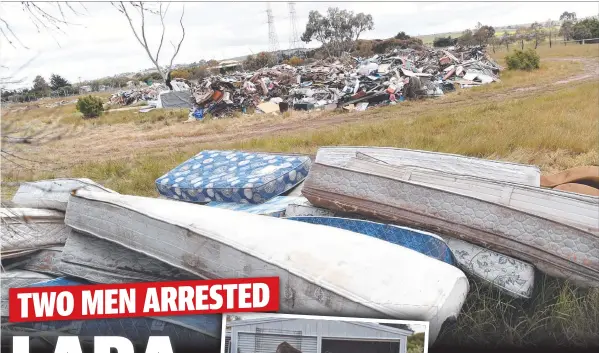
(140, 34)
(51, 17)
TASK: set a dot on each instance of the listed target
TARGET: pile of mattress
(310, 260)
(362, 231)
(554, 231)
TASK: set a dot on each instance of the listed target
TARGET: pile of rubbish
(150, 94)
(449, 219)
(379, 80)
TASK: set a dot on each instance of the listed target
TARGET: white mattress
(322, 270)
(511, 276)
(17, 279)
(53, 193)
(25, 230)
(497, 170)
(101, 261)
(579, 211)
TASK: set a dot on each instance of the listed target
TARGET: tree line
(570, 29)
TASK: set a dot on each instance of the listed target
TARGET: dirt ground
(63, 146)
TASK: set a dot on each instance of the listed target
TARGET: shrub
(523, 60)
(90, 106)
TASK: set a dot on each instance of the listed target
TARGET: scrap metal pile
(360, 83)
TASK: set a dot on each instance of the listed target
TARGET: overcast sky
(100, 43)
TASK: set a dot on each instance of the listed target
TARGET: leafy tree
(338, 30)
(184, 74)
(212, 63)
(538, 33)
(40, 85)
(568, 20)
(440, 42)
(260, 60)
(587, 28)
(467, 38)
(402, 35)
(483, 34)
(416, 343)
(507, 39)
(57, 81)
(522, 34)
(549, 25)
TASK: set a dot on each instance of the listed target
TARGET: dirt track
(123, 140)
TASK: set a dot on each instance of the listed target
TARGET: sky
(99, 42)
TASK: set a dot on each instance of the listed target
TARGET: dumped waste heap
(346, 82)
(329, 84)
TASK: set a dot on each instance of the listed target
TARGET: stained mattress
(46, 261)
(555, 248)
(17, 279)
(274, 207)
(53, 193)
(200, 331)
(579, 211)
(303, 208)
(496, 170)
(101, 261)
(26, 230)
(423, 242)
(233, 176)
(511, 276)
(312, 261)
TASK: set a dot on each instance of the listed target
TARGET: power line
(294, 41)
(273, 41)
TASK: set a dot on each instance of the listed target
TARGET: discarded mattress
(303, 208)
(274, 207)
(296, 191)
(201, 331)
(53, 193)
(17, 279)
(496, 170)
(588, 175)
(423, 242)
(575, 210)
(578, 189)
(101, 261)
(26, 230)
(512, 276)
(555, 248)
(210, 243)
(233, 176)
(45, 261)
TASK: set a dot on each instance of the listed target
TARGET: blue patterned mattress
(200, 331)
(426, 243)
(233, 176)
(274, 207)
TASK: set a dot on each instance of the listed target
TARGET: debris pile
(379, 80)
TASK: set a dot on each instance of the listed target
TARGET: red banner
(106, 301)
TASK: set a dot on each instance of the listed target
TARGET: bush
(90, 106)
(523, 60)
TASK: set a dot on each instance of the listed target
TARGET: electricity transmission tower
(273, 42)
(294, 41)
